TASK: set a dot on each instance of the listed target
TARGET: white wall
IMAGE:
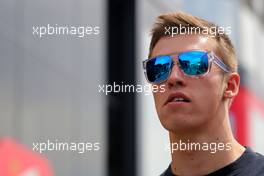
(49, 86)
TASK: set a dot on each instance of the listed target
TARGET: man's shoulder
(254, 162)
(251, 155)
(167, 172)
(250, 163)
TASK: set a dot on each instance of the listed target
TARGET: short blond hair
(225, 48)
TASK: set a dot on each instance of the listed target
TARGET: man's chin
(180, 125)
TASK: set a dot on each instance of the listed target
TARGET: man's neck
(205, 151)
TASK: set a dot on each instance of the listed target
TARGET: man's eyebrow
(168, 54)
(176, 53)
(160, 55)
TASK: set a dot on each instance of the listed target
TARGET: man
(195, 62)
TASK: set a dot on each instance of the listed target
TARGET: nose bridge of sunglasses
(176, 68)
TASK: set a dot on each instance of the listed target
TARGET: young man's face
(205, 93)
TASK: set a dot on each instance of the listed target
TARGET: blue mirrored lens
(193, 62)
(158, 69)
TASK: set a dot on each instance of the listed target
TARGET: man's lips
(177, 97)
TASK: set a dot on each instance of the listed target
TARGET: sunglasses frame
(212, 58)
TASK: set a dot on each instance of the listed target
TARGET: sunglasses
(191, 63)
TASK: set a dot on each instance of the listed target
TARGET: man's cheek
(159, 99)
(155, 96)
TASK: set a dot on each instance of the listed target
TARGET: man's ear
(232, 85)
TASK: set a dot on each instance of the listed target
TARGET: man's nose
(176, 78)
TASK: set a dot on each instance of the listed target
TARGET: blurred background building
(49, 86)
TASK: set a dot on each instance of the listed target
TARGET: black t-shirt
(248, 164)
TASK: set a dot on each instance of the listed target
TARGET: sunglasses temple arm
(144, 64)
(222, 65)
